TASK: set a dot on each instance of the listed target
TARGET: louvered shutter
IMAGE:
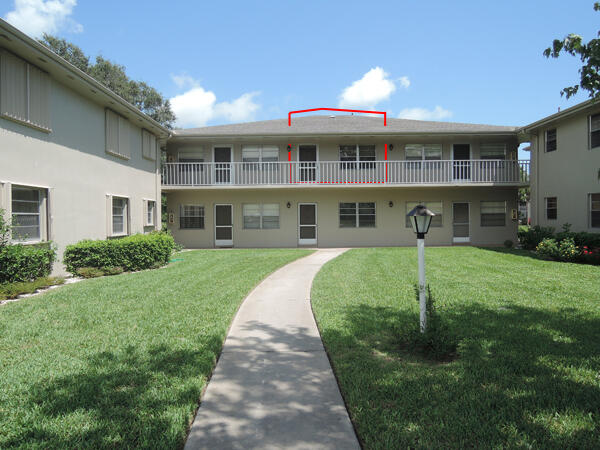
(13, 86)
(39, 87)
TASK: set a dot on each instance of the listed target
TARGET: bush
(568, 251)
(508, 243)
(26, 262)
(437, 342)
(530, 237)
(548, 248)
(112, 270)
(13, 290)
(89, 272)
(137, 252)
(581, 239)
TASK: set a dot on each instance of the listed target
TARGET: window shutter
(112, 132)
(124, 137)
(152, 148)
(13, 86)
(39, 87)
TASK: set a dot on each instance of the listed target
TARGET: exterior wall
(72, 164)
(328, 147)
(570, 173)
(390, 227)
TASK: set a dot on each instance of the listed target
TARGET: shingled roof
(342, 125)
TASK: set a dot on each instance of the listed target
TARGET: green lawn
(121, 361)
(528, 371)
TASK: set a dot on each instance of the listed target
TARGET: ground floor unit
(339, 216)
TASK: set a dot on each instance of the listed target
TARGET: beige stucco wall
(328, 147)
(570, 173)
(72, 164)
(390, 227)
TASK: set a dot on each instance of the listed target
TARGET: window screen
(493, 214)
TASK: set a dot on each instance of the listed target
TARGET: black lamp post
(420, 219)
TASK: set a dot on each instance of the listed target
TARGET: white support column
(422, 301)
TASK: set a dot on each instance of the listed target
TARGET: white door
(461, 229)
(307, 224)
(223, 225)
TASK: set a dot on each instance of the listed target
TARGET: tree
(112, 75)
(589, 53)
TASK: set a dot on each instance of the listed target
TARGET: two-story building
(335, 181)
(565, 168)
(76, 160)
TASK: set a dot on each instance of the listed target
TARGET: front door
(461, 154)
(222, 165)
(307, 166)
(307, 224)
(460, 223)
(223, 225)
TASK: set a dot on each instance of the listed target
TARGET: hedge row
(530, 238)
(137, 252)
(26, 262)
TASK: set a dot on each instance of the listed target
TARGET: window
(363, 154)
(27, 213)
(191, 155)
(551, 208)
(594, 131)
(419, 152)
(361, 215)
(595, 210)
(149, 213)
(264, 217)
(551, 140)
(148, 145)
(24, 91)
(118, 135)
(254, 154)
(493, 214)
(434, 207)
(119, 216)
(492, 151)
(191, 217)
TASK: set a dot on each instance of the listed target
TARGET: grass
(121, 361)
(528, 367)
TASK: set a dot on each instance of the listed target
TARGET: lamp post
(420, 219)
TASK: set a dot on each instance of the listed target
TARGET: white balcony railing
(336, 172)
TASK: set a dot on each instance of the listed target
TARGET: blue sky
(223, 61)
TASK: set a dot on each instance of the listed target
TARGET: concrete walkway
(273, 387)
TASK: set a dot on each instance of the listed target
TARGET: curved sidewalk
(273, 386)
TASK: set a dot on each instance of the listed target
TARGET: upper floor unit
(343, 151)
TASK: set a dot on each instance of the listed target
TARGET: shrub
(26, 262)
(89, 272)
(13, 290)
(530, 237)
(590, 255)
(568, 251)
(115, 270)
(438, 341)
(581, 239)
(137, 252)
(548, 248)
(508, 243)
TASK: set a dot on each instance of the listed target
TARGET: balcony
(335, 173)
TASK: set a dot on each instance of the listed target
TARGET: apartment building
(341, 180)
(76, 160)
(565, 168)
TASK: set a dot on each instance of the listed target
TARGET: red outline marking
(339, 110)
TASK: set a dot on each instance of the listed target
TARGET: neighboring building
(76, 160)
(565, 168)
(325, 181)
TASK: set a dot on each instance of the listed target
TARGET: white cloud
(36, 17)
(374, 87)
(197, 106)
(437, 113)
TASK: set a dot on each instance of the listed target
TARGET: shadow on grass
(525, 377)
(514, 251)
(125, 398)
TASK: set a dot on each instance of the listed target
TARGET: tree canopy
(589, 53)
(112, 75)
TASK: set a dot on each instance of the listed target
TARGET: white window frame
(423, 148)
(261, 216)
(357, 215)
(41, 212)
(546, 140)
(555, 207)
(261, 148)
(590, 204)
(590, 131)
(481, 213)
(411, 204)
(125, 215)
(202, 214)
(149, 216)
(191, 155)
(489, 145)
